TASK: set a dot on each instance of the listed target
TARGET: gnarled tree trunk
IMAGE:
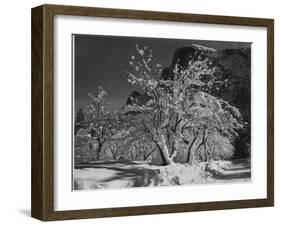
(190, 150)
(164, 151)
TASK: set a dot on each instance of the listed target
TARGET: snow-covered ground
(120, 174)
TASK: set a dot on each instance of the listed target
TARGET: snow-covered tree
(179, 110)
(98, 120)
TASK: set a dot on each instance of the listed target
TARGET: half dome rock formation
(182, 57)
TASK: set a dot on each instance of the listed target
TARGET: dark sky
(104, 60)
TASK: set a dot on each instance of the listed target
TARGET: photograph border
(42, 169)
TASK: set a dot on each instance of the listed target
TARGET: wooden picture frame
(42, 203)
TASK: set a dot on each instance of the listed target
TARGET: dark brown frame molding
(42, 203)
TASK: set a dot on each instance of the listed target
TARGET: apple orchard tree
(181, 111)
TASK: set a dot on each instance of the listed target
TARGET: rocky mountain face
(137, 98)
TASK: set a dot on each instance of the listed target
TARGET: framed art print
(141, 112)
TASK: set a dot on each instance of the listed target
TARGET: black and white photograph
(160, 112)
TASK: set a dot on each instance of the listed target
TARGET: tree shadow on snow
(94, 164)
(137, 175)
(239, 169)
(241, 175)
